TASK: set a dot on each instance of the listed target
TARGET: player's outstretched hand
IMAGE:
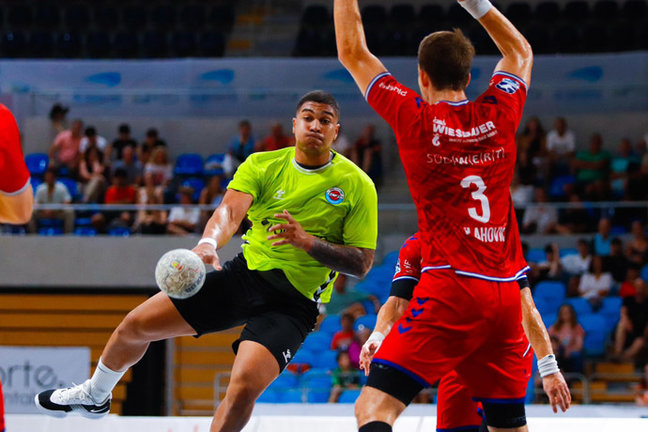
(556, 388)
(290, 232)
(366, 355)
(208, 255)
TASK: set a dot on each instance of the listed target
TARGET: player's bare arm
(352, 48)
(353, 261)
(222, 225)
(517, 55)
(389, 313)
(17, 209)
(554, 383)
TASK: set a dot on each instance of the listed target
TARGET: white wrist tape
(376, 337)
(476, 8)
(208, 240)
(548, 366)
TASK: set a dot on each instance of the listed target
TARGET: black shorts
(275, 314)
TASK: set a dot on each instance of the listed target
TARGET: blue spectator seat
(106, 16)
(83, 221)
(552, 294)
(596, 332)
(317, 396)
(536, 255)
(287, 380)
(549, 319)
(98, 44)
(71, 186)
(644, 273)
(568, 251)
(154, 44)
(50, 223)
(214, 165)
(349, 396)
(192, 16)
(330, 324)
(303, 357)
(543, 306)
(189, 164)
(325, 360)
(557, 187)
(611, 310)
(69, 44)
(581, 306)
(85, 232)
(41, 44)
(196, 184)
(212, 44)
(50, 231)
(35, 182)
(13, 230)
(618, 230)
(14, 43)
(292, 396)
(317, 342)
(183, 43)
(367, 321)
(317, 379)
(119, 232)
(391, 259)
(77, 16)
(19, 16)
(37, 164)
(269, 396)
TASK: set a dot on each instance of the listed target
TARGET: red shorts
(455, 408)
(468, 325)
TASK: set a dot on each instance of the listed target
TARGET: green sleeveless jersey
(336, 203)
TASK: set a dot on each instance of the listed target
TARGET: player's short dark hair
(320, 96)
(152, 133)
(245, 123)
(90, 131)
(446, 57)
(124, 128)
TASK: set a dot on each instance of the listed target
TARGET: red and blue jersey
(14, 177)
(408, 269)
(459, 159)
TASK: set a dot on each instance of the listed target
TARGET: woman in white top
(595, 284)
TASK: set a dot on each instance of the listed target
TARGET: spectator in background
(521, 194)
(120, 192)
(571, 337)
(577, 264)
(540, 217)
(58, 122)
(533, 142)
(561, 145)
(130, 165)
(595, 284)
(628, 286)
(344, 377)
(616, 262)
(619, 167)
(115, 151)
(602, 241)
(151, 142)
(343, 337)
(211, 195)
(632, 330)
(342, 145)
(550, 268)
(159, 168)
(367, 154)
(344, 299)
(592, 167)
(361, 336)
(636, 188)
(52, 192)
(91, 139)
(637, 249)
(150, 221)
(91, 174)
(276, 140)
(184, 220)
(240, 147)
(64, 151)
(575, 219)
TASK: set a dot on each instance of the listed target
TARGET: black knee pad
(505, 415)
(376, 426)
(394, 382)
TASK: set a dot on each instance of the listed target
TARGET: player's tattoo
(349, 260)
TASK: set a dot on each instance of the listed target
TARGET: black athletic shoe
(72, 400)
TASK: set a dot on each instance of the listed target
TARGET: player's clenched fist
(208, 255)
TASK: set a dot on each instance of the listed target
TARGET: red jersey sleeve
(15, 177)
(508, 92)
(398, 105)
(408, 269)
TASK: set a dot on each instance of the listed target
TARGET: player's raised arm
(352, 48)
(516, 51)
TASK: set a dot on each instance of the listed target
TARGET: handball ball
(180, 273)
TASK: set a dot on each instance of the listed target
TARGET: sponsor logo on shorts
(508, 85)
(335, 195)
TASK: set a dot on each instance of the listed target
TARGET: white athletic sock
(103, 381)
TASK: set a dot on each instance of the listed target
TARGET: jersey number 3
(479, 196)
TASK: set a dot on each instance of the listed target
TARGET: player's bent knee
(134, 327)
(505, 415)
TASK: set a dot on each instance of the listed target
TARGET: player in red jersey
(16, 195)
(456, 411)
(459, 158)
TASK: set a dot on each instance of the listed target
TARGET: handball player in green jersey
(313, 213)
